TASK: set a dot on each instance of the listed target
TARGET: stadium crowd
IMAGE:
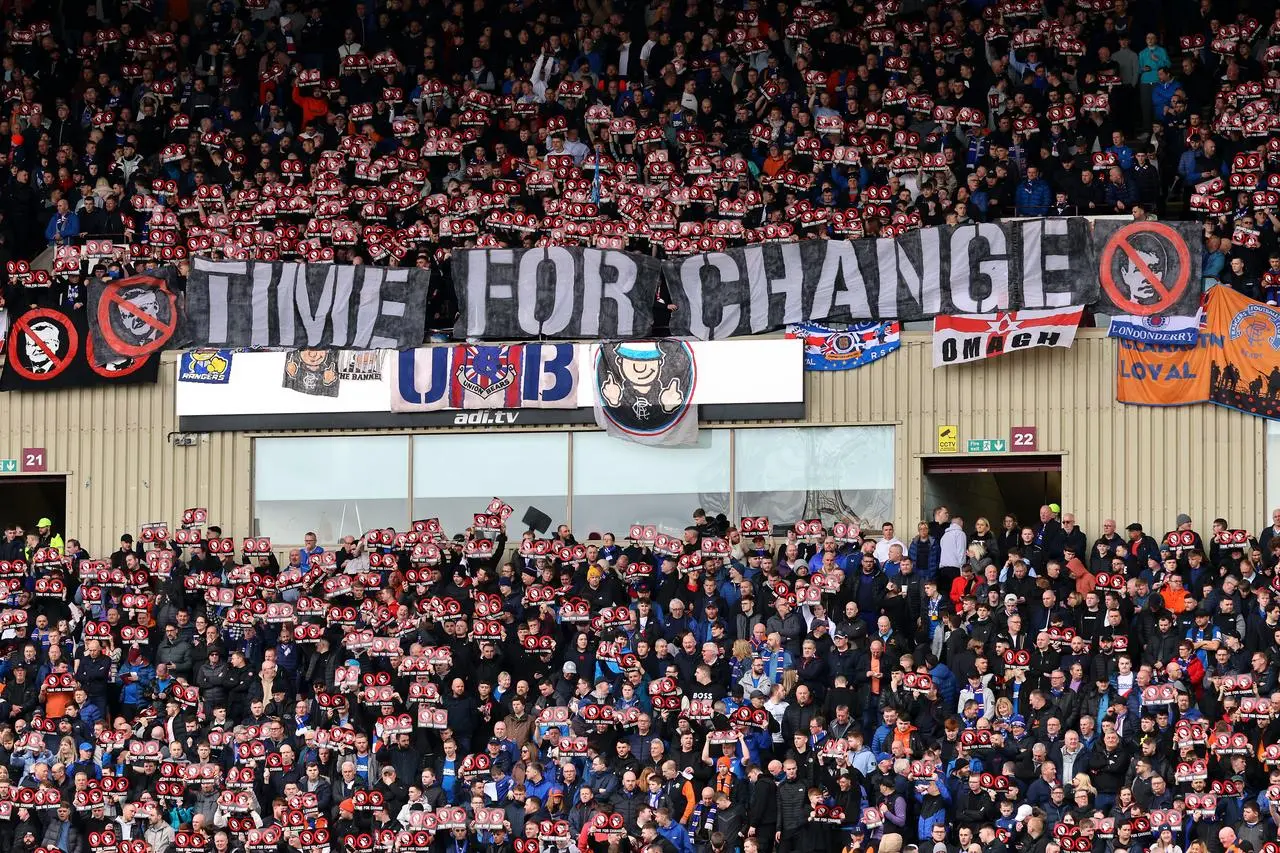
(972, 688)
(390, 131)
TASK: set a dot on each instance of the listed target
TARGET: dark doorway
(24, 499)
(990, 486)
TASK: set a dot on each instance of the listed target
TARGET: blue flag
(844, 347)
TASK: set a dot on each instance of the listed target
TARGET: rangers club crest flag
(844, 347)
(485, 377)
(972, 337)
(1157, 329)
(466, 376)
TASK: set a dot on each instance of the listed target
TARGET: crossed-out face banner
(49, 349)
(1130, 268)
(1235, 363)
(133, 317)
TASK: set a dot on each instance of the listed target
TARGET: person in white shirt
(647, 48)
(953, 544)
(887, 539)
(624, 56)
(349, 46)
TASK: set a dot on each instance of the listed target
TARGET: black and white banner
(1140, 268)
(1132, 268)
(305, 306)
(974, 269)
(556, 292)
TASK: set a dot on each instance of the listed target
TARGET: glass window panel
(831, 473)
(455, 476)
(618, 483)
(362, 479)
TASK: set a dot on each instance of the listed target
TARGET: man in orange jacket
(312, 107)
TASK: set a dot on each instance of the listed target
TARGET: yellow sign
(948, 438)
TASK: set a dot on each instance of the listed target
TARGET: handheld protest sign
(194, 517)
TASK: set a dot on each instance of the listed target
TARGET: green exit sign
(8, 466)
(988, 445)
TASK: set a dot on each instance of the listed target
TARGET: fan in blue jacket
(1033, 196)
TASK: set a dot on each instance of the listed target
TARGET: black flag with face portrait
(1148, 268)
(134, 317)
(49, 349)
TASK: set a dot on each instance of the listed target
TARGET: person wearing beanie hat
(137, 677)
(1183, 524)
(1144, 552)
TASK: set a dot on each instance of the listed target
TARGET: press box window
(618, 483)
(829, 473)
(455, 476)
(335, 486)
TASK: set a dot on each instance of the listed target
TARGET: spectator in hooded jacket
(1034, 196)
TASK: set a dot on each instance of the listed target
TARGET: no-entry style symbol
(137, 316)
(42, 345)
(1145, 268)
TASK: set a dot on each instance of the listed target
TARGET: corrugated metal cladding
(122, 470)
(1133, 463)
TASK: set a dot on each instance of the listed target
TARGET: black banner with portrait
(48, 349)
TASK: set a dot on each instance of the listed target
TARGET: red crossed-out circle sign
(1122, 241)
(113, 298)
(115, 370)
(27, 331)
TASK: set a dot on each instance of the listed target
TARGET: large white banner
(756, 378)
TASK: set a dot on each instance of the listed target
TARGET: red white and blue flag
(972, 337)
(489, 376)
(486, 377)
(843, 347)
